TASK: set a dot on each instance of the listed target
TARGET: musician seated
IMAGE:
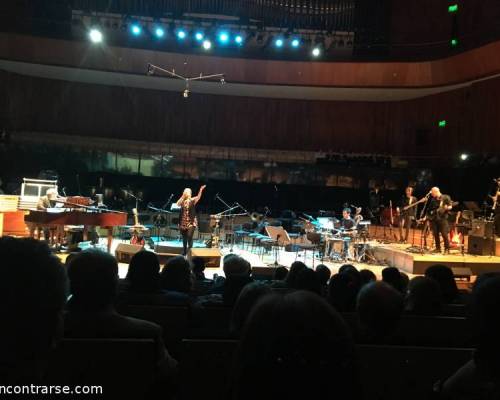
(49, 200)
(45, 202)
(347, 223)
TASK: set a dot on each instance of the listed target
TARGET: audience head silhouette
(280, 273)
(423, 297)
(236, 265)
(249, 295)
(33, 290)
(443, 275)
(295, 269)
(379, 308)
(93, 277)
(296, 338)
(144, 272)
(308, 279)
(323, 273)
(176, 275)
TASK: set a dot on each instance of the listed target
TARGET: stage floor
(380, 255)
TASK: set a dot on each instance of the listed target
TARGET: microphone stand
(137, 199)
(425, 226)
(159, 212)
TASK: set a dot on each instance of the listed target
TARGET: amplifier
(481, 246)
(481, 228)
(125, 251)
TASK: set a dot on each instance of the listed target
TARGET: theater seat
(124, 367)
(208, 363)
(400, 372)
(172, 319)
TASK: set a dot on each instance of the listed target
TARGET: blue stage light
(238, 39)
(136, 29)
(295, 43)
(198, 36)
(181, 34)
(223, 37)
(159, 32)
(278, 42)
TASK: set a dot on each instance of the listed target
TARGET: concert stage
(396, 255)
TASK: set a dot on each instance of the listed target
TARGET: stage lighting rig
(153, 68)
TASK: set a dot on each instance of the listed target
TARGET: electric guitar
(456, 238)
(440, 211)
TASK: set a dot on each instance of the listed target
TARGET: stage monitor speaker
(481, 246)
(211, 256)
(481, 228)
(164, 249)
(125, 251)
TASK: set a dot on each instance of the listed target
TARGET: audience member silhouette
(479, 379)
(308, 279)
(343, 289)
(367, 276)
(93, 279)
(443, 275)
(379, 308)
(392, 276)
(295, 269)
(33, 290)
(423, 297)
(176, 276)
(248, 297)
(297, 338)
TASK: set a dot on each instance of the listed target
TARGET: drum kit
(341, 244)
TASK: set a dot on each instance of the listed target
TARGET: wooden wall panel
(473, 116)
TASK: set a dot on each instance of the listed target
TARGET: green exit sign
(442, 123)
(453, 8)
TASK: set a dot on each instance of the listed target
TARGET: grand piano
(79, 215)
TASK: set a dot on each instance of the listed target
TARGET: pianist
(53, 235)
(49, 200)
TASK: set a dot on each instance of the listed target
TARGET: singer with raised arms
(187, 219)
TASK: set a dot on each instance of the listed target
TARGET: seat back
(399, 372)
(208, 363)
(173, 320)
(124, 367)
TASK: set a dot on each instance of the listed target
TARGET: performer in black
(187, 218)
(407, 213)
(347, 222)
(374, 204)
(437, 213)
(495, 208)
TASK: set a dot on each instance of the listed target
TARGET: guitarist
(407, 211)
(437, 213)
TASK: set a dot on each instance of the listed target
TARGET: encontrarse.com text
(46, 389)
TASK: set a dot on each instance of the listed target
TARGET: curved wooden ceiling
(260, 78)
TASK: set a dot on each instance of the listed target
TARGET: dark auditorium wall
(422, 28)
(398, 128)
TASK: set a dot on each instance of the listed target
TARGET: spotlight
(95, 36)
(464, 156)
(278, 42)
(223, 37)
(181, 34)
(136, 29)
(207, 44)
(316, 52)
(198, 36)
(185, 94)
(295, 43)
(159, 32)
(238, 39)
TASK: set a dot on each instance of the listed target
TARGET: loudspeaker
(481, 246)
(173, 250)
(481, 228)
(210, 256)
(125, 251)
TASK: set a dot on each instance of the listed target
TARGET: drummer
(347, 223)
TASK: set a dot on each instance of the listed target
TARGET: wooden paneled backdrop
(400, 128)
